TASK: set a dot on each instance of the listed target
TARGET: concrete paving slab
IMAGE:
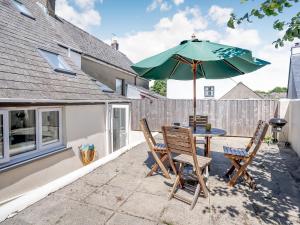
(77, 190)
(126, 181)
(178, 213)
(156, 185)
(108, 196)
(99, 177)
(125, 219)
(144, 205)
(60, 210)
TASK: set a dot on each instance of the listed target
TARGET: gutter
(52, 101)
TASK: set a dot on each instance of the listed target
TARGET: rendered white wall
(290, 110)
(86, 125)
(184, 89)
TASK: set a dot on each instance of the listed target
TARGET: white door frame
(5, 158)
(126, 107)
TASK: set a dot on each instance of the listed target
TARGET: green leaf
(230, 23)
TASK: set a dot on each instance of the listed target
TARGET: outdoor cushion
(235, 151)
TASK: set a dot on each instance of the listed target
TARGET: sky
(146, 27)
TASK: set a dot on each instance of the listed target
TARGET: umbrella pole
(194, 86)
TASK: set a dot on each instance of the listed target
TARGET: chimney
(193, 37)
(51, 7)
(114, 43)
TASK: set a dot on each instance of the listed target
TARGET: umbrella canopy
(215, 61)
(193, 59)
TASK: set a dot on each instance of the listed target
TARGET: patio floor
(119, 193)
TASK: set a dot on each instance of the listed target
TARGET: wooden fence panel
(237, 117)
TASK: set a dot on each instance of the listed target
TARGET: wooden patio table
(201, 132)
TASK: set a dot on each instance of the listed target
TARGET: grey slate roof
(241, 91)
(24, 74)
(294, 77)
(96, 48)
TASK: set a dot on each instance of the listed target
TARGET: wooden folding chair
(242, 158)
(249, 145)
(181, 141)
(158, 150)
(200, 121)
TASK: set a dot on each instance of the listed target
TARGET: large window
(209, 91)
(23, 10)
(56, 62)
(24, 132)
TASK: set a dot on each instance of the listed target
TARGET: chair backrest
(200, 120)
(181, 141)
(258, 138)
(258, 127)
(178, 139)
(147, 133)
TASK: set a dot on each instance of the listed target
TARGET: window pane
(55, 60)
(22, 131)
(50, 127)
(119, 86)
(1, 138)
(22, 8)
(119, 128)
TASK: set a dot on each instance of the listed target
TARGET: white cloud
(245, 38)
(85, 3)
(219, 15)
(162, 5)
(178, 2)
(84, 18)
(270, 76)
(168, 32)
(155, 4)
(165, 6)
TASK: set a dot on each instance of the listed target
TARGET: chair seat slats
(235, 151)
(202, 161)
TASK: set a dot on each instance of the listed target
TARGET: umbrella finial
(193, 36)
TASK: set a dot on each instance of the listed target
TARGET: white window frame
(67, 69)
(122, 86)
(38, 122)
(126, 107)
(26, 13)
(52, 144)
(213, 91)
(24, 154)
(5, 158)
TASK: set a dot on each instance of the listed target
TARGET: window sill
(30, 158)
(64, 71)
(24, 14)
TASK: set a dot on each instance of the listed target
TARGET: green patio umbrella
(193, 59)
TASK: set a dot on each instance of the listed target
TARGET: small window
(209, 91)
(23, 10)
(120, 86)
(50, 127)
(56, 62)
